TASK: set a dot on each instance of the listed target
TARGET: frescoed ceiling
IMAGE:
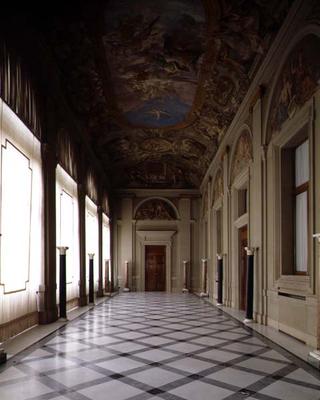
(154, 51)
(157, 83)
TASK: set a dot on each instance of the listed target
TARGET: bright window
(301, 207)
(67, 234)
(16, 180)
(92, 238)
(106, 246)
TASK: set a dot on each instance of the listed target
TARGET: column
(185, 277)
(219, 280)
(107, 287)
(112, 277)
(314, 356)
(3, 355)
(83, 300)
(49, 163)
(100, 244)
(204, 292)
(91, 278)
(63, 282)
(126, 286)
(249, 300)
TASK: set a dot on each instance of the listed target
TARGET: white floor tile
(190, 365)
(199, 390)
(284, 391)
(268, 367)
(184, 347)
(218, 355)
(156, 377)
(303, 376)
(23, 391)
(52, 363)
(156, 355)
(10, 374)
(235, 377)
(116, 389)
(121, 364)
(76, 376)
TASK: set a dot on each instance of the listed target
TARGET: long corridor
(142, 346)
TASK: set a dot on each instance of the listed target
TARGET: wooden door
(243, 243)
(155, 277)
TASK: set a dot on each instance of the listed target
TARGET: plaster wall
(178, 235)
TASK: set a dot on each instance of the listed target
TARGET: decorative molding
(205, 201)
(242, 156)
(156, 208)
(150, 238)
(28, 161)
(241, 221)
(217, 188)
(260, 91)
(155, 235)
(295, 84)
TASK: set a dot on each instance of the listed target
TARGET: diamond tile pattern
(142, 346)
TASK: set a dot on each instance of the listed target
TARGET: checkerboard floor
(142, 346)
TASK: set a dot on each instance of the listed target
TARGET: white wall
(20, 233)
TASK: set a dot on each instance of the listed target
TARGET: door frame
(164, 249)
(237, 222)
(155, 238)
(241, 283)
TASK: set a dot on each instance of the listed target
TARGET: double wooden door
(155, 276)
(243, 243)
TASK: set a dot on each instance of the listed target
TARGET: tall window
(301, 207)
(21, 213)
(219, 230)
(92, 238)
(67, 234)
(106, 247)
(295, 207)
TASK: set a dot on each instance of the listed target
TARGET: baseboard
(18, 325)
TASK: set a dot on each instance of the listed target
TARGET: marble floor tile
(143, 346)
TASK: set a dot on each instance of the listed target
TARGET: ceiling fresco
(155, 50)
(157, 84)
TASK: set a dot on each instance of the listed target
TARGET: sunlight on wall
(106, 245)
(21, 261)
(92, 244)
(67, 217)
(16, 180)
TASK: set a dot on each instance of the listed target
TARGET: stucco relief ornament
(155, 209)
(217, 187)
(298, 81)
(205, 202)
(243, 155)
(156, 145)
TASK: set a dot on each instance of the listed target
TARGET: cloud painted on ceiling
(154, 51)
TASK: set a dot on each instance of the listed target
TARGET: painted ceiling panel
(158, 83)
(155, 50)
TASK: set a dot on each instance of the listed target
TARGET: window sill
(295, 284)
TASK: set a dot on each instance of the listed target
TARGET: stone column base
(203, 294)
(3, 356)
(314, 358)
(126, 289)
(48, 316)
(100, 293)
(185, 290)
(83, 300)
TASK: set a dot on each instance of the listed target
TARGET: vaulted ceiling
(157, 83)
